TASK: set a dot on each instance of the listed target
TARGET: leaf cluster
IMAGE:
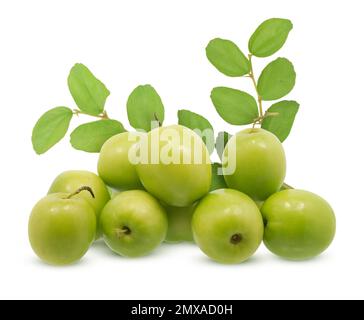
(145, 107)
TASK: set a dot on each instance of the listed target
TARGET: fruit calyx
(236, 238)
(79, 190)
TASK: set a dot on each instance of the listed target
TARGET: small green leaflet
(234, 106)
(217, 181)
(195, 121)
(89, 93)
(269, 37)
(91, 136)
(51, 128)
(281, 123)
(144, 105)
(226, 57)
(277, 79)
(221, 141)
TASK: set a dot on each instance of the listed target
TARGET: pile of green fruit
(226, 208)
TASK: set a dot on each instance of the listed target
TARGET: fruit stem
(123, 231)
(261, 118)
(252, 76)
(79, 190)
(287, 186)
(103, 115)
(156, 119)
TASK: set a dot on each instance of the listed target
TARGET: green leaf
(221, 141)
(217, 181)
(204, 128)
(234, 106)
(281, 123)
(269, 37)
(88, 92)
(226, 57)
(51, 128)
(91, 136)
(144, 106)
(277, 79)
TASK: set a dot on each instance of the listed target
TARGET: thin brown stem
(79, 190)
(287, 186)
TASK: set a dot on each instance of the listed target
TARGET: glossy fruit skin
(179, 223)
(182, 184)
(299, 224)
(69, 181)
(219, 218)
(114, 166)
(61, 230)
(260, 163)
(134, 223)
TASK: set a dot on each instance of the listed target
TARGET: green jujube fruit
(133, 223)
(260, 163)
(69, 181)
(227, 226)
(61, 229)
(179, 223)
(114, 166)
(177, 168)
(299, 224)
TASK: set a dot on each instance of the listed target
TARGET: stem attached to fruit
(252, 76)
(287, 186)
(103, 116)
(122, 231)
(79, 190)
(266, 115)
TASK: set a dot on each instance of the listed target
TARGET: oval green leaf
(277, 79)
(51, 128)
(221, 141)
(282, 118)
(201, 125)
(144, 106)
(217, 181)
(234, 106)
(89, 93)
(226, 57)
(269, 37)
(91, 136)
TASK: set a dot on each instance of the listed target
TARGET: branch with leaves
(144, 104)
(276, 80)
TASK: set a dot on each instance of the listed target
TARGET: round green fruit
(134, 223)
(299, 224)
(61, 228)
(254, 163)
(69, 181)
(227, 226)
(114, 166)
(177, 167)
(179, 223)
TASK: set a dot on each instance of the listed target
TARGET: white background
(127, 43)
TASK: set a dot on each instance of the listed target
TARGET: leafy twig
(252, 76)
